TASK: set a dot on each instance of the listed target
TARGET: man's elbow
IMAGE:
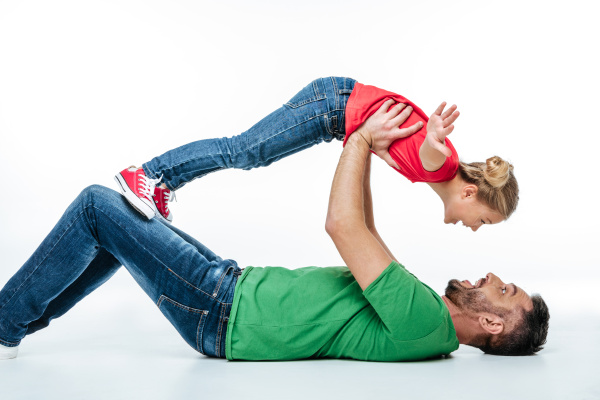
(331, 226)
(337, 227)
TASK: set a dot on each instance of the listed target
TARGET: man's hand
(381, 129)
(439, 126)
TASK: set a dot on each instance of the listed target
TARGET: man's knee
(94, 194)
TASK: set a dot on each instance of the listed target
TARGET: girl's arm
(433, 151)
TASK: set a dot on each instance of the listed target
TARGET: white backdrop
(89, 88)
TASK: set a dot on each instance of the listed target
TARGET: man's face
(489, 295)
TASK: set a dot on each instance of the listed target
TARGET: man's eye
(482, 222)
(503, 290)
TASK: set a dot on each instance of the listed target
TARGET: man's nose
(494, 279)
(474, 228)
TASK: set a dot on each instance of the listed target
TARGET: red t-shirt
(363, 103)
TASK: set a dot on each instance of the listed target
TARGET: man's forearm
(361, 251)
(368, 206)
(367, 199)
(346, 198)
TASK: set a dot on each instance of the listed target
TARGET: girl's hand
(439, 126)
(383, 128)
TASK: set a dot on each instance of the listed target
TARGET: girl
(333, 108)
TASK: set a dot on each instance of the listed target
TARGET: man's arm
(362, 253)
(368, 206)
(433, 151)
(346, 224)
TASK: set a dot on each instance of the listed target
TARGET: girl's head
(486, 193)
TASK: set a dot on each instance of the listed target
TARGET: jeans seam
(200, 333)
(10, 344)
(147, 171)
(336, 95)
(196, 177)
(218, 344)
(187, 283)
(202, 313)
(250, 148)
(159, 261)
(306, 101)
(221, 278)
(153, 176)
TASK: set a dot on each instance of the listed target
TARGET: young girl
(333, 108)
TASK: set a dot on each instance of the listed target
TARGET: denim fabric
(97, 234)
(191, 285)
(313, 115)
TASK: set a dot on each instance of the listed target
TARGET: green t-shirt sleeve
(408, 309)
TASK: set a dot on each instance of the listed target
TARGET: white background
(88, 88)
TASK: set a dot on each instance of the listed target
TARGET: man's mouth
(479, 283)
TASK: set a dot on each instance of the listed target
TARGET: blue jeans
(97, 234)
(314, 115)
(192, 286)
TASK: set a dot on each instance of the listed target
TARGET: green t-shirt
(312, 312)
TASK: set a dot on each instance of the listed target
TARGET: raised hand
(439, 126)
(383, 128)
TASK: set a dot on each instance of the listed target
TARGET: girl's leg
(314, 115)
(98, 228)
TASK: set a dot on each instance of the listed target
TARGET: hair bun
(497, 171)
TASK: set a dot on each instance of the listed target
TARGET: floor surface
(120, 349)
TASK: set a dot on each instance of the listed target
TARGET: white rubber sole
(137, 203)
(160, 216)
(6, 353)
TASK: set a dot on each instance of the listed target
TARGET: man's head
(504, 319)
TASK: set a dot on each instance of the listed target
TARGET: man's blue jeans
(192, 286)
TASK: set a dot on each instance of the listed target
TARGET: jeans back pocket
(307, 95)
(188, 321)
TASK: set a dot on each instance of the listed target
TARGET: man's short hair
(527, 337)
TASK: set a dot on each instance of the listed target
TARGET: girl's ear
(469, 191)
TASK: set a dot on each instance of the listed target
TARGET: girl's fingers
(439, 146)
(450, 120)
(438, 111)
(449, 111)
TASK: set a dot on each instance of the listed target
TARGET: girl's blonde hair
(496, 183)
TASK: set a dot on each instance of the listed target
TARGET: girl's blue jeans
(192, 286)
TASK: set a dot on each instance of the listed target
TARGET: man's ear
(491, 323)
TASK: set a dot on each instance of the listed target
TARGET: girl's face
(464, 207)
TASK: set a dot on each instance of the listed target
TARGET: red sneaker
(138, 189)
(162, 197)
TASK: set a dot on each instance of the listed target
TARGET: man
(371, 310)
(493, 316)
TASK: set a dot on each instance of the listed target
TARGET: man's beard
(470, 300)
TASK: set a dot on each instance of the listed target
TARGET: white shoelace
(170, 196)
(147, 185)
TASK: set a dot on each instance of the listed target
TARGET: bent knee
(94, 193)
